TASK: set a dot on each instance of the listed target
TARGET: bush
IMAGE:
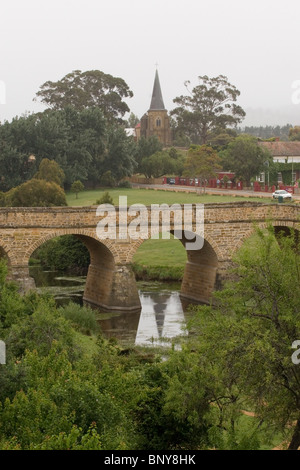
(125, 184)
(36, 193)
(81, 318)
(107, 179)
(105, 199)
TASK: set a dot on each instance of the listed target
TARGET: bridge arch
(200, 277)
(109, 285)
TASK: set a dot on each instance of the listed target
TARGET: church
(156, 121)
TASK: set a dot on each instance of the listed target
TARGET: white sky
(254, 43)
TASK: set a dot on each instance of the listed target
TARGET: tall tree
(209, 105)
(83, 90)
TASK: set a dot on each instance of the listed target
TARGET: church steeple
(157, 102)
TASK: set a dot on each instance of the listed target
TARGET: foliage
(123, 184)
(294, 133)
(107, 180)
(209, 105)
(246, 338)
(161, 163)
(66, 253)
(267, 132)
(50, 171)
(245, 158)
(36, 193)
(202, 162)
(147, 147)
(105, 199)
(81, 318)
(77, 187)
(82, 142)
(88, 89)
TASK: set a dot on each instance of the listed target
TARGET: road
(224, 192)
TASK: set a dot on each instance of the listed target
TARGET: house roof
(282, 149)
(157, 102)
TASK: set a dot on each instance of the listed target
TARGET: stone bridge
(110, 281)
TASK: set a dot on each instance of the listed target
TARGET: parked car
(282, 193)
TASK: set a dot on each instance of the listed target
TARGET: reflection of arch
(200, 275)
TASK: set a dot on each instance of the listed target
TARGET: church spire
(157, 103)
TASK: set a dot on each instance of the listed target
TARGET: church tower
(156, 121)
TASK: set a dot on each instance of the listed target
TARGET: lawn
(152, 196)
(161, 252)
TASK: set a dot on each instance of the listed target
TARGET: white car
(282, 193)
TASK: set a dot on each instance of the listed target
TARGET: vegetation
(82, 90)
(245, 158)
(66, 253)
(36, 193)
(152, 196)
(50, 171)
(58, 392)
(208, 106)
(77, 187)
(202, 162)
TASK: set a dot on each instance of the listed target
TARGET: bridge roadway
(110, 281)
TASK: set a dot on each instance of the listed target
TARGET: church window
(158, 122)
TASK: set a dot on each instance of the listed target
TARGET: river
(162, 317)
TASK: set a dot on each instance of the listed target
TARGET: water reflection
(161, 318)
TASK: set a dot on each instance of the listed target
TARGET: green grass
(152, 196)
(161, 253)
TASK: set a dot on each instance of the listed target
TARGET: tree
(245, 158)
(89, 89)
(294, 133)
(77, 187)
(36, 193)
(133, 120)
(209, 105)
(245, 342)
(49, 170)
(147, 147)
(120, 154)
(202, 162)
(159, 164)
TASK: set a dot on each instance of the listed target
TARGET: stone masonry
(110, 281)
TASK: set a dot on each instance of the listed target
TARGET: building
(156, 121)
(285, 152)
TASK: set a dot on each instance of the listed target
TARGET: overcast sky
(254, 43)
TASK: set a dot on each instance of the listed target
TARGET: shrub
(105, 199)
(125, 184)
(81, 318)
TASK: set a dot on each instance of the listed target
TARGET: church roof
(157, 103)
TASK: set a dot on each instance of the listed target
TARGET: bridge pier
(112, 289)
(20, 275)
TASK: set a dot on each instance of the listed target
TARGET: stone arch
(109, 286)
(201, 269)
(4, 254)
(201, 272)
